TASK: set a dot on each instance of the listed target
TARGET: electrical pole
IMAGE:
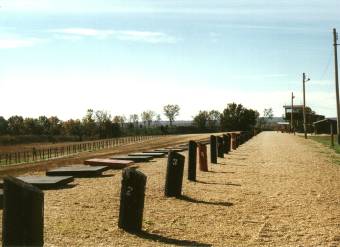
(335, 38)
(291, 115)
(304, 80)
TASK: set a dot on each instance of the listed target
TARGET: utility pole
(335, 38)
(291, 115)
(304, 80)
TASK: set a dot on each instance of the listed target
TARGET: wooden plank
(45, 182)
(136, 159)
(78, 171)
(155, 155)
(113, 164)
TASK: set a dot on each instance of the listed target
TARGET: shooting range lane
(254, 196)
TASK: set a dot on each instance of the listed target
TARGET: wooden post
(192, 160)
(213, 149)
(132, 200)
(23, 214)
(332, 134)
(203, 159)
(226, 147)
(220, 151)
(174, 174)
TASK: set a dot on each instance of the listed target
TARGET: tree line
(100, 124)
(235, 117)
(95, 124)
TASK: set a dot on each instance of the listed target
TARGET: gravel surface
(275, 190)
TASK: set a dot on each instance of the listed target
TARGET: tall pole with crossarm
(335, 38)
(304, 80)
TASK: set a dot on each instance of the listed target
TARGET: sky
(62, 57)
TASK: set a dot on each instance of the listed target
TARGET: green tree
(16, 125)
(74, 128)
(147, 117)
(201, 120)
(214, 118)
(3, 126)
(55, 126)
(31, 126)
(104, 124)
(89, 123)
(171, 112)
(43, 125)
(238, 118)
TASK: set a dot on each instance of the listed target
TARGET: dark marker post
(220, 151)
(23, 214)
(132, 200)
(202, 156)
(192, 160)
(174, 174)
(213, 149)
(226, 146)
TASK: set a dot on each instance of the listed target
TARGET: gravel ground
(275, 190)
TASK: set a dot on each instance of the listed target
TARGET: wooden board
(162, 151)
(45, 182)
(172, 149)
(136, 159)
(78, 171)
(155, 155)
(113, 164)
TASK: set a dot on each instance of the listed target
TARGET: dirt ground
(275, 190)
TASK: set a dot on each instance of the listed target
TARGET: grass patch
(326, 140)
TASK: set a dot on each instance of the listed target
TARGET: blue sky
(63, 57)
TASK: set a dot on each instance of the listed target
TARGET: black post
(192, 161)
(132, 200)
(174, 174)
(220, 151)
(213, 151)
(226, 146)
(23, 214)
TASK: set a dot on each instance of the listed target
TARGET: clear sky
(61, 57)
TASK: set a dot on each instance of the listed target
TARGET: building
(325, 126)
(311, 117)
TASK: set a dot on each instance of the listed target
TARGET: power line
(327, 65)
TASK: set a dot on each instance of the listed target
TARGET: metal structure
(291, 115)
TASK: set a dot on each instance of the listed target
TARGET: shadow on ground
(193, 200)
(167, 240)
(221, 172)
(229, 184)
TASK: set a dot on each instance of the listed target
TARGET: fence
(48, 153)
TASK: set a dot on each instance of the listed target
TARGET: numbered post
(226, 145)
(202, 157)
(132, 200)
(192, 160)
(23, 214)
(220, 151)
(174, 174)
(213, 149)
